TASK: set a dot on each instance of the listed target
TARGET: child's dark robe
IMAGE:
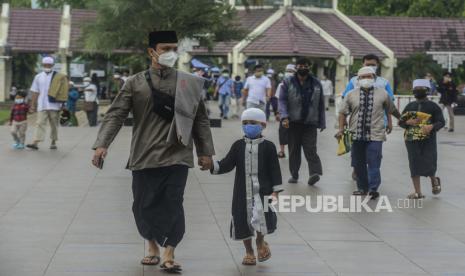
(256, 162)
(422, 149)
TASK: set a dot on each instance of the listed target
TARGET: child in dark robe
(422, 119)
(258, 179)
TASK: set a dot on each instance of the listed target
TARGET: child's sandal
(436, 186)
(249, 260)
(266, 253)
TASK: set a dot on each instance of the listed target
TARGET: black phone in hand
(100, 162)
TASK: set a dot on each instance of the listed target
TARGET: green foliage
(75, 4)
(4, 116)
(416, 66)
(19, 3)
(56, 4)
(425, 8)
(123, 24)
(23, 69)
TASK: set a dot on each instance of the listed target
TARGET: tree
(19, 3)
(123, 24)
(416, 66)
(75, 4)
(426, 8)
(23, 69)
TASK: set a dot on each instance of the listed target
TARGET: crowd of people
(166, 127)
(54, 98)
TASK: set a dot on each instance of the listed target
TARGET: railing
(299, 3)
(313, 3)
(260, 2)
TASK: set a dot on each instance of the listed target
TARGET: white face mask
(288, 74)
(366, 83)
(47, 70)
(168, 59)
(19, 101)
(226, 75)
(86, 83)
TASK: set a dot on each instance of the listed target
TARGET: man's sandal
(249, 260)
(170, 266)
(415, 196)
(359, 193)
(437, 186)
(150, 260)
(281, 154)
(265, 253)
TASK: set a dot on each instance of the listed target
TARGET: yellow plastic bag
(345, 143)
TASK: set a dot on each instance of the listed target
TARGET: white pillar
(65, 37)
(5, 62)
(238, 66)
(340, 82)
(184, 62)
(342, 78)
(387, 70)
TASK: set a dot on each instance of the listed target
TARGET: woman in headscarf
(421, 120)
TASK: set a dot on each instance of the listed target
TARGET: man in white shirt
(91, 101)
(257, 89)
(327, 90)
(46, 110)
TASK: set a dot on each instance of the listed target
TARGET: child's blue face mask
(252, 131)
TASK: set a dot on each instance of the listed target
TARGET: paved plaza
(61, 217)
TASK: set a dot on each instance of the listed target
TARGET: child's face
(252, 122)
(19, 99)
(252, 129)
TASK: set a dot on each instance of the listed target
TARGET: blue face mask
(252, 131)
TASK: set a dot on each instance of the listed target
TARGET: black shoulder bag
(163, 104)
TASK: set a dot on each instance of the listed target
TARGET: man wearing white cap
(366, 105)
(421, 120)
(49, 92)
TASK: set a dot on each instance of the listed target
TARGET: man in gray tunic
(169, 117)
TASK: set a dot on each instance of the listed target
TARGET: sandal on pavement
(265, 253)
(359, 193)
(32, 146)
(415, 196)
(437, 186)
(170, 266)
(150, 260)
(374, 195)
(249, 260)
(281, 154)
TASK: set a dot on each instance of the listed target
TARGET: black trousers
(303, 136)
(92, 115)
(158, 203)
(283, 134)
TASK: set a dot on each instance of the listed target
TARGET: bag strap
(155, 92)
(221, 85)
(149, 81)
